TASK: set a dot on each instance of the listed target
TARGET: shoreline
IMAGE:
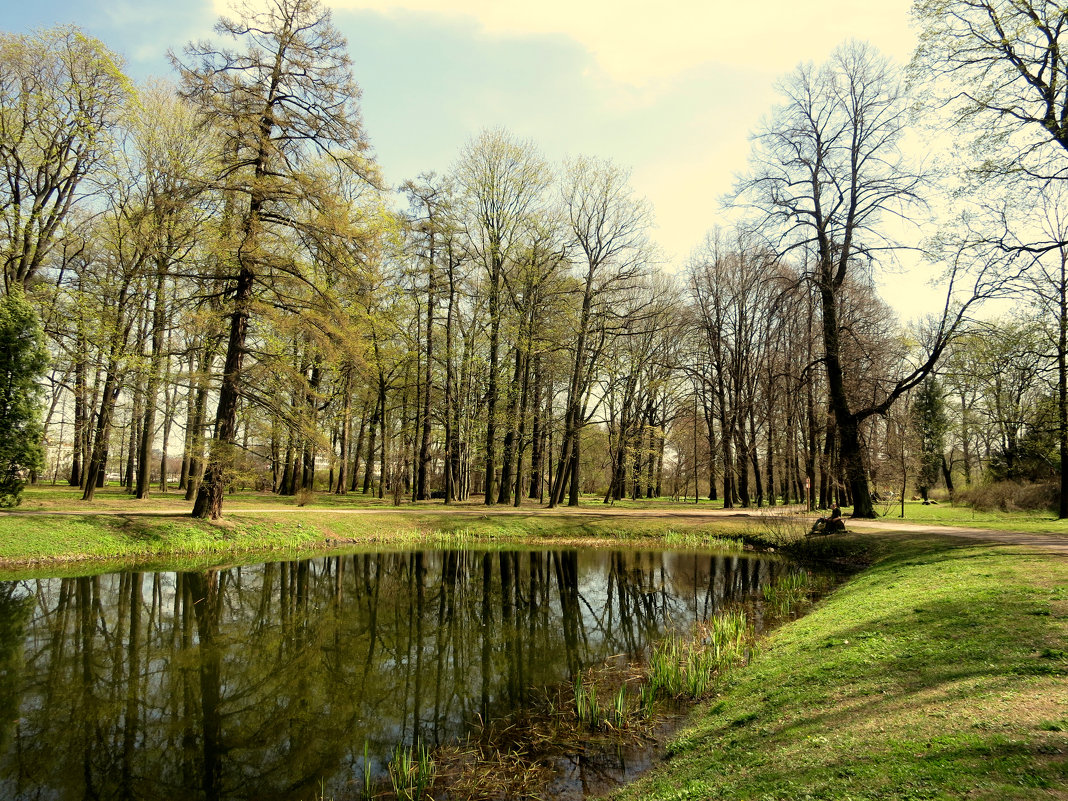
(34, 539)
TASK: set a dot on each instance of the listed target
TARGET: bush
(1010, 496)
(23, 359)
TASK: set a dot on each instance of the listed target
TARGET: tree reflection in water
(263, 681)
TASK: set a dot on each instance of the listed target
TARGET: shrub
(1010, 496)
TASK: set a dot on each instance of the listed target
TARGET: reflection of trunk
(131, 723)
(419, 573)
(206, 600)
(446, 633)
(566, 563)
(89, 713)
(512, 648)
(487, 641)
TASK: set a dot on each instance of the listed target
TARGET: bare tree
(501, 182)
(1000, 64)
(826, 173)
(608, 228)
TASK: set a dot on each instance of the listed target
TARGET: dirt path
(1050, 543)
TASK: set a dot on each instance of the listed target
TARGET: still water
(268, 681)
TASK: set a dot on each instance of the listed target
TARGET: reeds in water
(681, 667)
(587, 710)
(411, 771)
(789, 594)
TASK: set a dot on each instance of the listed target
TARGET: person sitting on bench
(829, 525)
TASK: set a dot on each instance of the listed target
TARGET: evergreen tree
(929, 420)
(22, 362)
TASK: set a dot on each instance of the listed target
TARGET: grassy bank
(44, 542)
(940, 672)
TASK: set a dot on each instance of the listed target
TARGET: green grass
(44, 543)
(937, 673)
(41, 544)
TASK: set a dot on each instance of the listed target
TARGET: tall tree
(1002, 67)
(501, 181)
(283, 102)
(930, 423)
(608, 226)
(826, 172)
(169, 155)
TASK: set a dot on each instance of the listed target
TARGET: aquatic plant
(684, 667)
(699, 539)
(368, 776)
(619, 708)
(789, 593)
(411, 771)
(587, 709)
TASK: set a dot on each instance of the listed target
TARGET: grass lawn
(940, 672)
(37, 544)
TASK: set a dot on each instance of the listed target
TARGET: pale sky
(671, 89)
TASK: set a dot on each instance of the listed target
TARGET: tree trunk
(209, 499)
(81, 392)
(850, 452)
(422, 491)
(148, 425)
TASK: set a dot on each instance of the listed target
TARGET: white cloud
(638, 42)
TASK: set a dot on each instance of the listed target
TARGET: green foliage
(61, 94)
(1035, 455)
(788, 594)
(23, 359)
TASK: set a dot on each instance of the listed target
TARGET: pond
(279, 680)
